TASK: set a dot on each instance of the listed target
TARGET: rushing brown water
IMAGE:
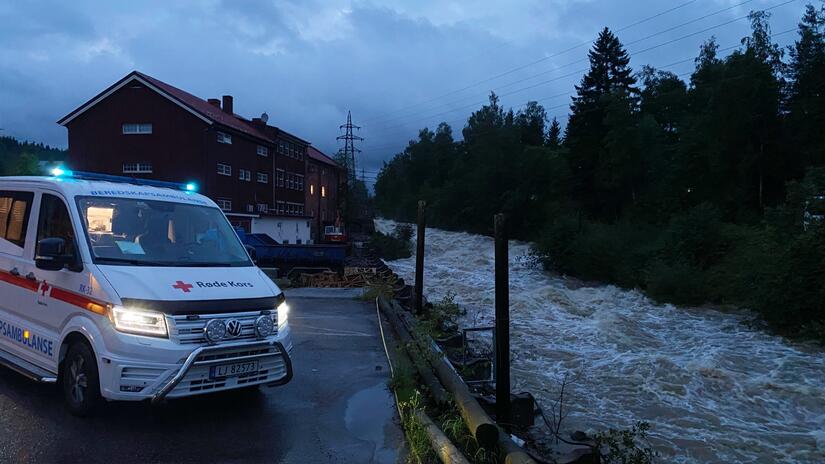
(713, 389)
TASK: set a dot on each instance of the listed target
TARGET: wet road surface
(337, 408)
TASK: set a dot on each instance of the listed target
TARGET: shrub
(678, 283)
(395, 246)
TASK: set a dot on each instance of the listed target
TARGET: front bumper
(276, 370)
(141, 368)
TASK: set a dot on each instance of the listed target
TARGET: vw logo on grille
(233, 328)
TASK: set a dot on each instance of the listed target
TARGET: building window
(312, 189)
(224, 169)
(280, 174)
(280, 207)
(137, 128)
(224, 204)
(223, 137)
(250, 209)
(263, 207)
(263, 178)
(323, 191)
(137, 168)
(299, 182)
(263, 151)
(244, 174)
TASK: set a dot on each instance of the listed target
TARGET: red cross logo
(44, 288)
(181, 285)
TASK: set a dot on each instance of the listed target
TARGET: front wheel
(80, 380)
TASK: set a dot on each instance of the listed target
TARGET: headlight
(283, 312)
(139, 321)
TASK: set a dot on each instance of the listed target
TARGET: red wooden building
(141, 126)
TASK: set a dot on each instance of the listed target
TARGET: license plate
(233, 370)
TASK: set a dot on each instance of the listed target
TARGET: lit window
(224, 169)
(263, 151)
(223, 137)
(137, 128)
(224, 204)
(263, 178)
(244, 174)
(323, 191)
(137, 168)
(312, 189)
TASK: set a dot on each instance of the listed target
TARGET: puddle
(369, 412)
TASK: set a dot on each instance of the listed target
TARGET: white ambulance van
(129, 289)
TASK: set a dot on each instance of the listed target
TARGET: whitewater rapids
(713, 389)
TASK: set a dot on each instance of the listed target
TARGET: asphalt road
(337, 408)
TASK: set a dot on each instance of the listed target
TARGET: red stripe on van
(76, 299)
(12, 279)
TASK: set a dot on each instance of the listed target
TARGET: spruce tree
(608, 84)
(806, 90)
(553, 139)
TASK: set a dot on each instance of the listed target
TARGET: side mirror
(253, 253)
(51, 254)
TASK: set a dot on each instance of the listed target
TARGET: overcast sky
(397, 65)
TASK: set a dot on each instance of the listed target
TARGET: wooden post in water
(418, 298)
(502, 334)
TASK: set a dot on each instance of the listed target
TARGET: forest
(704, 191)
(22, 158)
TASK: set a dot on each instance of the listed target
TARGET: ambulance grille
(189, 329)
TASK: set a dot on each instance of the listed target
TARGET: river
(713, 389)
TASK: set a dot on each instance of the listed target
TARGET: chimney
(259, 123)
(227, 104)
(214, 102)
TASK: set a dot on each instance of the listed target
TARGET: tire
(80, 381)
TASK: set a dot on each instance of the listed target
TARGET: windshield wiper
(133, 262)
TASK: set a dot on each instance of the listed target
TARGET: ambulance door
(17, 283)
(60, 293)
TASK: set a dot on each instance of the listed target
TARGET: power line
(632, 53)
(642, 21)
(670, 29)
(565, 115)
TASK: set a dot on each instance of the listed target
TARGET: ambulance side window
(55, 222)
(15, 208)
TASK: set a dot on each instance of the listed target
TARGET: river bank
(713, 388)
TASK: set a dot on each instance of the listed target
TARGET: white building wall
(283, 229)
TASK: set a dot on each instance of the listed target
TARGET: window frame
(16, 195)
(223, 137)
(262, 150)
(77, 265)
(262, 178)
(140, 128)
(140, 168)
(224, 204)
(225, 171)
(245, 175)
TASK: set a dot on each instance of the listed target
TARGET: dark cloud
(306, 63)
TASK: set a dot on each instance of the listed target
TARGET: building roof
(319, 156)
(195, 105)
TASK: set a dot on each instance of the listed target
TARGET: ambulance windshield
(134, 232)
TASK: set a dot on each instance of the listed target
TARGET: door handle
(31, 276)
(14, 272)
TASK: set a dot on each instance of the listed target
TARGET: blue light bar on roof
(63, 172)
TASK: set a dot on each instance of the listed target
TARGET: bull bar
(190, 362)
